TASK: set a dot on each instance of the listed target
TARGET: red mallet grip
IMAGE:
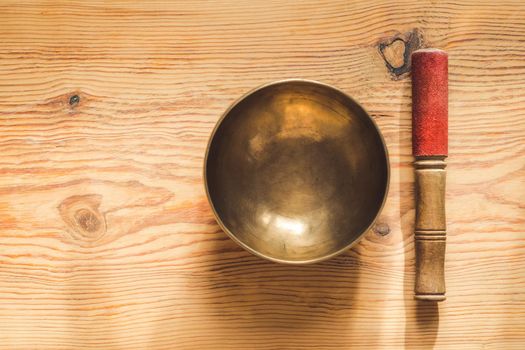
(430, 148)
(429, 103)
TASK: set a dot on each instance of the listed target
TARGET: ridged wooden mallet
(430, 148)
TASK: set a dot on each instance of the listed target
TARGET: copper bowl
(296, 171)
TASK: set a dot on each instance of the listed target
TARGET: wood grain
(106, 237)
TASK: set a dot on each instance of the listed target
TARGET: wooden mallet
(430, 148)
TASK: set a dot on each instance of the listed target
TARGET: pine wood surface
(106, 237)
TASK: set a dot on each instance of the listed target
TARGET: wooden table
(107, 240)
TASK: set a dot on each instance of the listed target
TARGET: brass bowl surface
(296, 171)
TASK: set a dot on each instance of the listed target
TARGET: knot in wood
(381, 229)
(74, 100)
(87, 220)
(82, 216)
(396, 51)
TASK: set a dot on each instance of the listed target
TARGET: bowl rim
(244, 245)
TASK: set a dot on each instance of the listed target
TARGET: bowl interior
(296, 171)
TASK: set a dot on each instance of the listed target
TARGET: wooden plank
(107, 240)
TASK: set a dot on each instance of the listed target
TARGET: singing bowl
(296, 171)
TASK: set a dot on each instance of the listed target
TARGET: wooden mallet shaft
(430, 148)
